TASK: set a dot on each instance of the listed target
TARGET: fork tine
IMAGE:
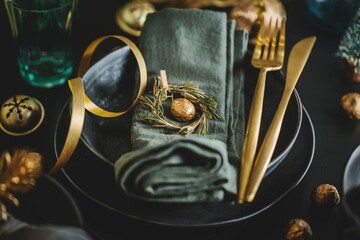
(259, 41)
(267, 40)
(274, 39)
(281, 45)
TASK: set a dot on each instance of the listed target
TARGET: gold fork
(268, 56)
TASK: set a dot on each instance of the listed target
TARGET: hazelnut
(298, 229)
(325, 196)
(350, 102)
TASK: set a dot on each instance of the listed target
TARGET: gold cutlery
(268, 56)
(297, 59)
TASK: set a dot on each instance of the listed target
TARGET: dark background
(321, 85)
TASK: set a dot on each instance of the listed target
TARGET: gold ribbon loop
(80, 101)
(85, 64)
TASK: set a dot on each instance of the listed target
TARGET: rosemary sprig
(190, 91)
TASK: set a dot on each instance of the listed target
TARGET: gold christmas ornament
(195, 3)
(18, 173)
(131, 17)
(21, 115)
(249, 14)
(182, 109)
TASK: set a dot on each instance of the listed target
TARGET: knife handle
(268, 146)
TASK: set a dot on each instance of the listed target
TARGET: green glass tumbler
(43, 32)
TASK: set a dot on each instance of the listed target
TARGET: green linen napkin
(200, 46)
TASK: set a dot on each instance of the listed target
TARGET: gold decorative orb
(21, 115)
(182, 109)
(249, 14)
(131, 17)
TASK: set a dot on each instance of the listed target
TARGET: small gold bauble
(131, 17)
(182, 109)
(21, 115)
(249, 14)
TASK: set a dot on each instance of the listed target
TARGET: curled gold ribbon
(85, 64)
(80, 101)
(76, 124)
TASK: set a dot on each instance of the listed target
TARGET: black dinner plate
(95, 179)
(48, 203)
(107, 84)
(93, 175)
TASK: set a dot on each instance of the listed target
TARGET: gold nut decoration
(298, 229)
(182, 109)
(21, 115)
(350, 103)
(249, 14)
(351, 71)
(325, 196)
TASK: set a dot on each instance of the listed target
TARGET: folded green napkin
(200, 46)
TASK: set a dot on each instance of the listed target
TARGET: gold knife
(297, 59)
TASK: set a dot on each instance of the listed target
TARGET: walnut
(298, 229)
(350, 70)
(325, 196)
(350, 102)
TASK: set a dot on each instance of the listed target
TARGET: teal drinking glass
(42, 30)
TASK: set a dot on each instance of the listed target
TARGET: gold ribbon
(76, 124)
(80, 101)
(85, 64)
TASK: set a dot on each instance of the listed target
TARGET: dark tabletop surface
(320, 87)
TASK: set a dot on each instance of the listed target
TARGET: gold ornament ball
(131, 16)
(21, 115)
(249, 14)
(182, 109)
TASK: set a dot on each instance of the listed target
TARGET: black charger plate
(103, 140)
(48, 203)
(107, 84)
(95, 179)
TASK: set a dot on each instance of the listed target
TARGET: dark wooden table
(320, 87)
